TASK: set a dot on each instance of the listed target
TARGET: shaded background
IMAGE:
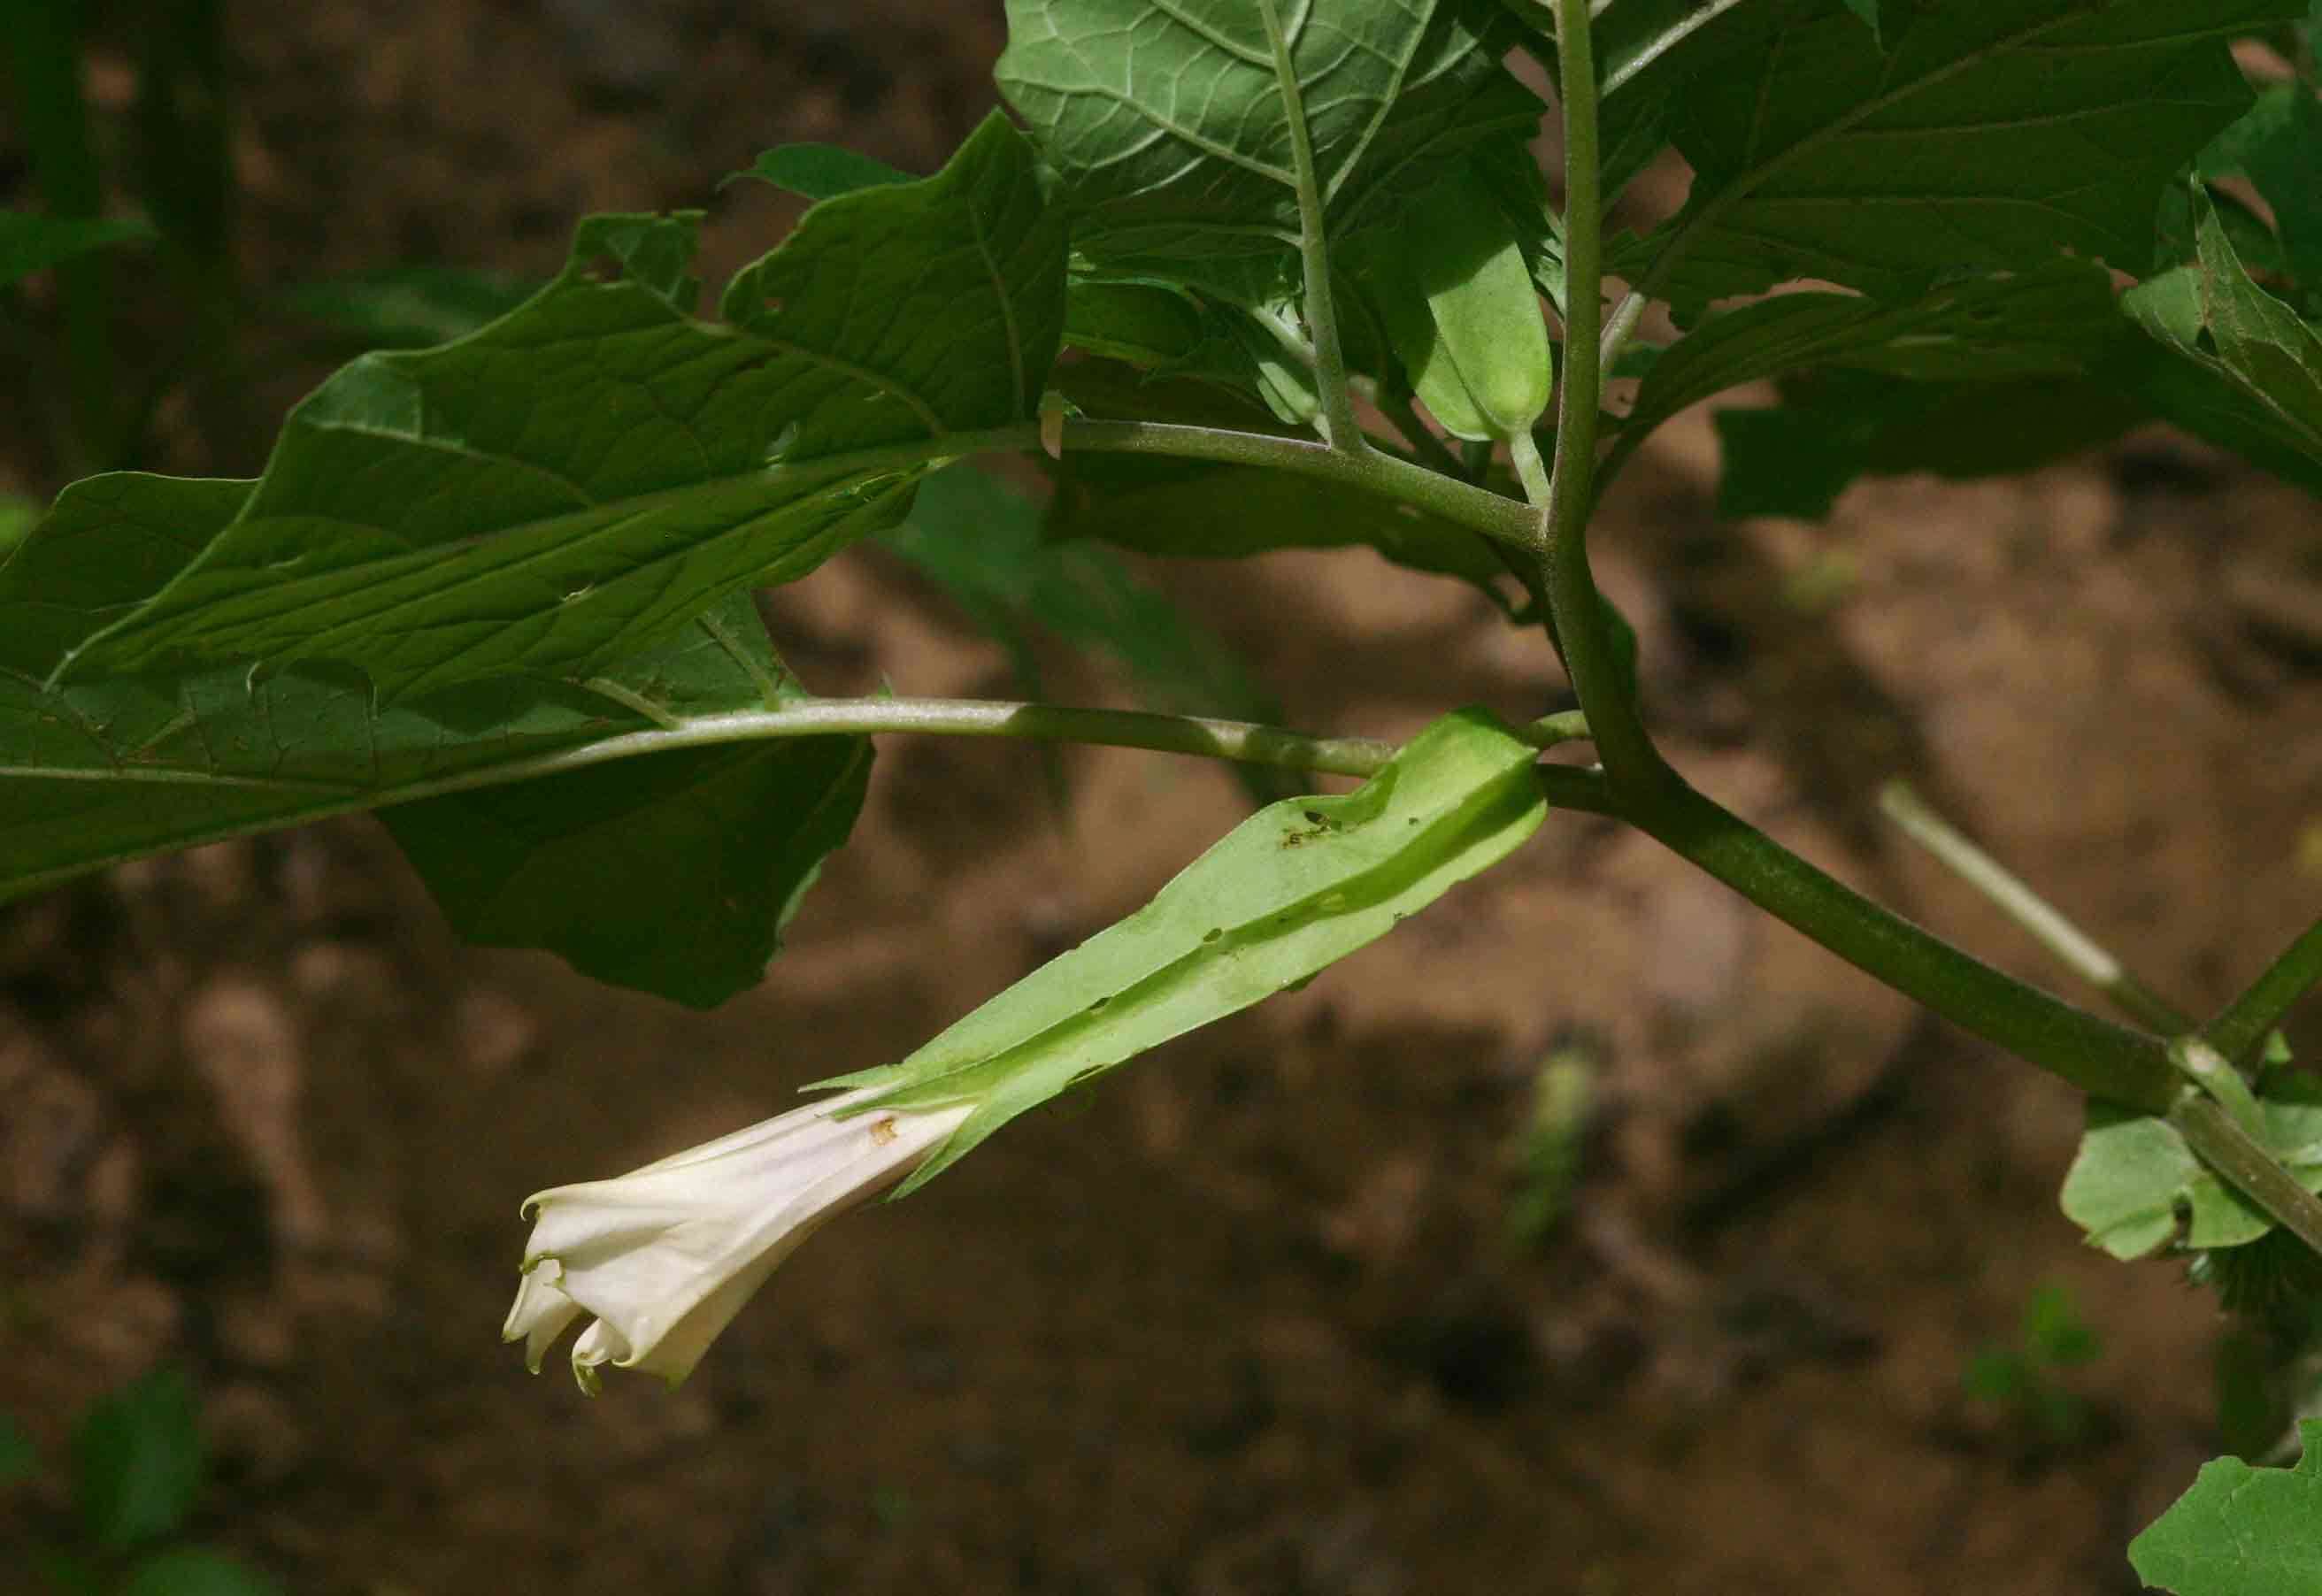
(1251, 1319)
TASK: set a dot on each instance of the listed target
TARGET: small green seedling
(137, 1471)
(2025, 1383)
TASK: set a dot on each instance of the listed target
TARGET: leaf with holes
(1290, 892)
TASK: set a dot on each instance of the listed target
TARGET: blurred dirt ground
(1247, 1321)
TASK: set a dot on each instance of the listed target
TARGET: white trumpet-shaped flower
(664, 1256)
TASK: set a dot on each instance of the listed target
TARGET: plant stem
(1242, 741)
(2245, 1165)
(1371, 470)
(1605, 689)
(2049, 926)
(2102, 1059)
(2242, 1028)
(1346, 435)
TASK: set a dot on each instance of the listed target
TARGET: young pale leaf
(2133, 1173)
(29, 243)
(575, 482)
(1168, 127)
(673, 874)
(1295, 888)
(1965, 143)
(2241, 1531)
(137, 1457)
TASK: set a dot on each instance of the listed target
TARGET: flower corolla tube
(663, 1257)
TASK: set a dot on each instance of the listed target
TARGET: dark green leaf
(2241, 1531)
(29, 243)
(407, 307)
(820, 171)
(1967, 144)
(2050, 321)
(984, 543)
(577, 482)
(675, 873)
(1834, 426)
(2286, 165)
(1169, 132)
(195, 1572)
(1194, 510)
(137, 1455)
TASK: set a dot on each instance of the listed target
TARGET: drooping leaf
(576, 481)
(2134, 1174)
(675, 875)
(137, 1457)
(983, 542)
(2053, 320)
(1169, 130)
(1986, 135)
(1292, 889)
(1834, 426)
(31, 243)
(2241, 1531)
(820, 171)
(407, 307)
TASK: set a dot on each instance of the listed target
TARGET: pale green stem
(1242, 740)
(2048, 925)
(1322, 317)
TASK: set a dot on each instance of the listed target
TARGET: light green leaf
(674, 874)
(2134, 1174)
(407, 307)
(31, 243)
(981, 541)
(1170, 133)
(2241, 1531)
(1292, 889)
(137, 1454)
(1987, 135)
(196, 1571)
(18, 516)
(819, 171)
(576, 482)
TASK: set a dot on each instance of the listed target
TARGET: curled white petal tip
(663, 1257)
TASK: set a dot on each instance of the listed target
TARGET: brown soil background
(1246, 1322)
